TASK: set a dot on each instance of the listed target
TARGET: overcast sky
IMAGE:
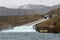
(16, 3)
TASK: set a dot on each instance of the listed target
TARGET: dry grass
(45, 23)
(7, 21)
(53, 24)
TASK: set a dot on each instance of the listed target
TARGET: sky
(17, 3)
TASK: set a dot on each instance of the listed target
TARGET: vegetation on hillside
(53, 24)
(12, 21)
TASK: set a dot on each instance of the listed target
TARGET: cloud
(50, 2)
(16, 3)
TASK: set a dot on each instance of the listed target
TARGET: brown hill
(12, 21)
(52, 25)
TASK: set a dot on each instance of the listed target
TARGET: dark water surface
(29, 36)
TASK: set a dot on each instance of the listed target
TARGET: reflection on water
(29, 36)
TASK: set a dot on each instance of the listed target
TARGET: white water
(25, 28)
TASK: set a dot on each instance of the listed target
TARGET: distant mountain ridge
(41, 9)
(30, 6)
(27, 10)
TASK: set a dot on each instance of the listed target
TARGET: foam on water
(21, 29)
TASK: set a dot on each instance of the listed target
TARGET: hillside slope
(52, 25)
(7, 22)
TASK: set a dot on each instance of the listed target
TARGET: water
(28, 36)
(26, 27)
(26, 32)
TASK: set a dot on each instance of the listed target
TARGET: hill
(8, 22)
(52, 25)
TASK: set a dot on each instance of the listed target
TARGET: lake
(28, 36)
